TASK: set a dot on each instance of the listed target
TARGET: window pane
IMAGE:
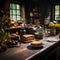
(57, 12)
(18, 17)
(11, 11)
(14, 6)
(14, 11)
(14, 17)
(57, 8)
(57, 17)
(18, 12)
(11, 6)
(18, 7)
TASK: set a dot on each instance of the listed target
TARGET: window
(14, 11)
(57, 12)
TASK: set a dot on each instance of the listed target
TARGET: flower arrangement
(54, 25)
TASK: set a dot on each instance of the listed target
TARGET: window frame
(58, 13)
(16, 14)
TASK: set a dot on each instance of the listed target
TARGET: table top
(24, 52)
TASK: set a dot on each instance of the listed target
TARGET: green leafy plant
(3, 35)
(6, 37)
(1, 25)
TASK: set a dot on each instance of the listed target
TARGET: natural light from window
(57, 12)
(14, 11)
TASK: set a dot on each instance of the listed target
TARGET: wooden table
(49, 50)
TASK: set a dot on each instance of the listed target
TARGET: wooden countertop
(23, 52)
